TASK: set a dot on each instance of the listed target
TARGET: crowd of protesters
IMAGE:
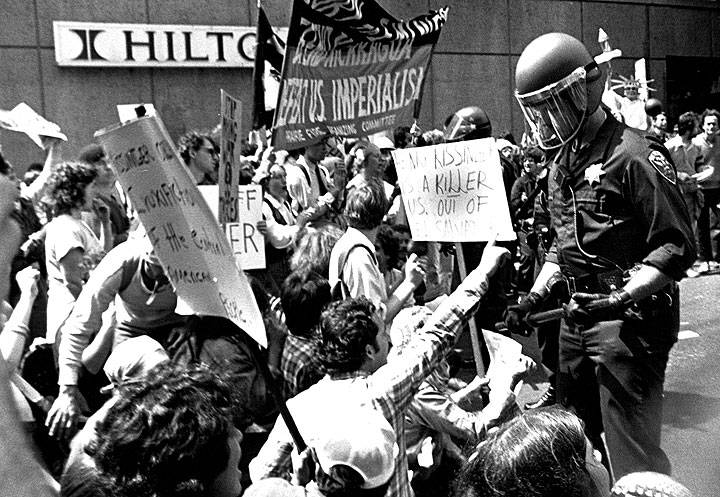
(126, 397)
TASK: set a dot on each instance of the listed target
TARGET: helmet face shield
(556, 112)
(458, 128)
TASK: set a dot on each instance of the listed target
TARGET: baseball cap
(383, 142)
(648, 483)
(362, 439)
(502, 144)
(133, 358)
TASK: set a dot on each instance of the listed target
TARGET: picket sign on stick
(454, 192)
(229, 171)
(187, 239)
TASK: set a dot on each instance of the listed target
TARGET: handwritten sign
(191, 246)
(229, 173)
(25, 120)
(454, 192)
(246, 242)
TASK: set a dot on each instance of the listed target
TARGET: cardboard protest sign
(246, 242)
(229, 173)
(25, 120)
(454, 192)
(128, 112)
(191, 246)
(351, 69)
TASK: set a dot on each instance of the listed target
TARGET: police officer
(622, 241)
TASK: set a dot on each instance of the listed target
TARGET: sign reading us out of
(154, 45)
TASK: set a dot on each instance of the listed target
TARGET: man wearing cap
(340, 461)
(354, 350)
(623, 240)
(145, 306)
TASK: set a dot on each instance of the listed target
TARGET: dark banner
(351, 69)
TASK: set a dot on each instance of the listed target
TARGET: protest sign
(246, 242)
(504, 355)
(25, 120)
(454, 192)
(229, 173)
(128, 112)
(351, 69)
(186, 237)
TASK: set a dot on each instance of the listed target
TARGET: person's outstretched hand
(62, 420)
(493, 257)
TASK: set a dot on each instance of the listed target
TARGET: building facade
(473, 63)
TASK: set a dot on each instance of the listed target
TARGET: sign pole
(474, 337)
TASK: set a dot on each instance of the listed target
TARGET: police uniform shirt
(616, 203)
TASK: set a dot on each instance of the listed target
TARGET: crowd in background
(361, 319)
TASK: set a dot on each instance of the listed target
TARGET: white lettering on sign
(154, 45)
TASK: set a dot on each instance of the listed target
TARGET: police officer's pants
(612, 376)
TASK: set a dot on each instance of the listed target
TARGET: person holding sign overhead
(623, 240)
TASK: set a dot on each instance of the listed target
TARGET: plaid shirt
(390, 390)
(299, 365)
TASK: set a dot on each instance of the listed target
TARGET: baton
(536, 319)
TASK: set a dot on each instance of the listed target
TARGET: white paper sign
(246, 242)
(127, 112)
(191, 246)
(229, 172)
(454, 192)
(504, 356)
(25, 120)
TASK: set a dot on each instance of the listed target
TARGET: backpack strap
(275, 213)
(340, 291)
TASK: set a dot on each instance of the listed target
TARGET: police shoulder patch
(663, 166)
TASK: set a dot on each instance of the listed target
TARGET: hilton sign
(91, 44)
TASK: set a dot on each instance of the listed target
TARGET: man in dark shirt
(623, 240)
(522, 203)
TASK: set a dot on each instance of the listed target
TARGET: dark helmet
(558, 85)
(653, 107)
(468, 123)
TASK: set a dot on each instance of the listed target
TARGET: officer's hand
(586, 309)
(516, 315)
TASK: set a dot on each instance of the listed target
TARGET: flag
(351, 69)
(266, 71)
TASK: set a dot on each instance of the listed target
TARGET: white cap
(383, 142)
(132, 359)
(502, 143)
(362, 439)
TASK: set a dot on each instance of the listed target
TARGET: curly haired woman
(71, 247)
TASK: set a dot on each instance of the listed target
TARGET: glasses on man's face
(210, 150)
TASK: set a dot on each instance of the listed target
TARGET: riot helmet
(468, 123)
(558, 86)
(653, 107)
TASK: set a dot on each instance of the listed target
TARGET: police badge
(661, 165)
